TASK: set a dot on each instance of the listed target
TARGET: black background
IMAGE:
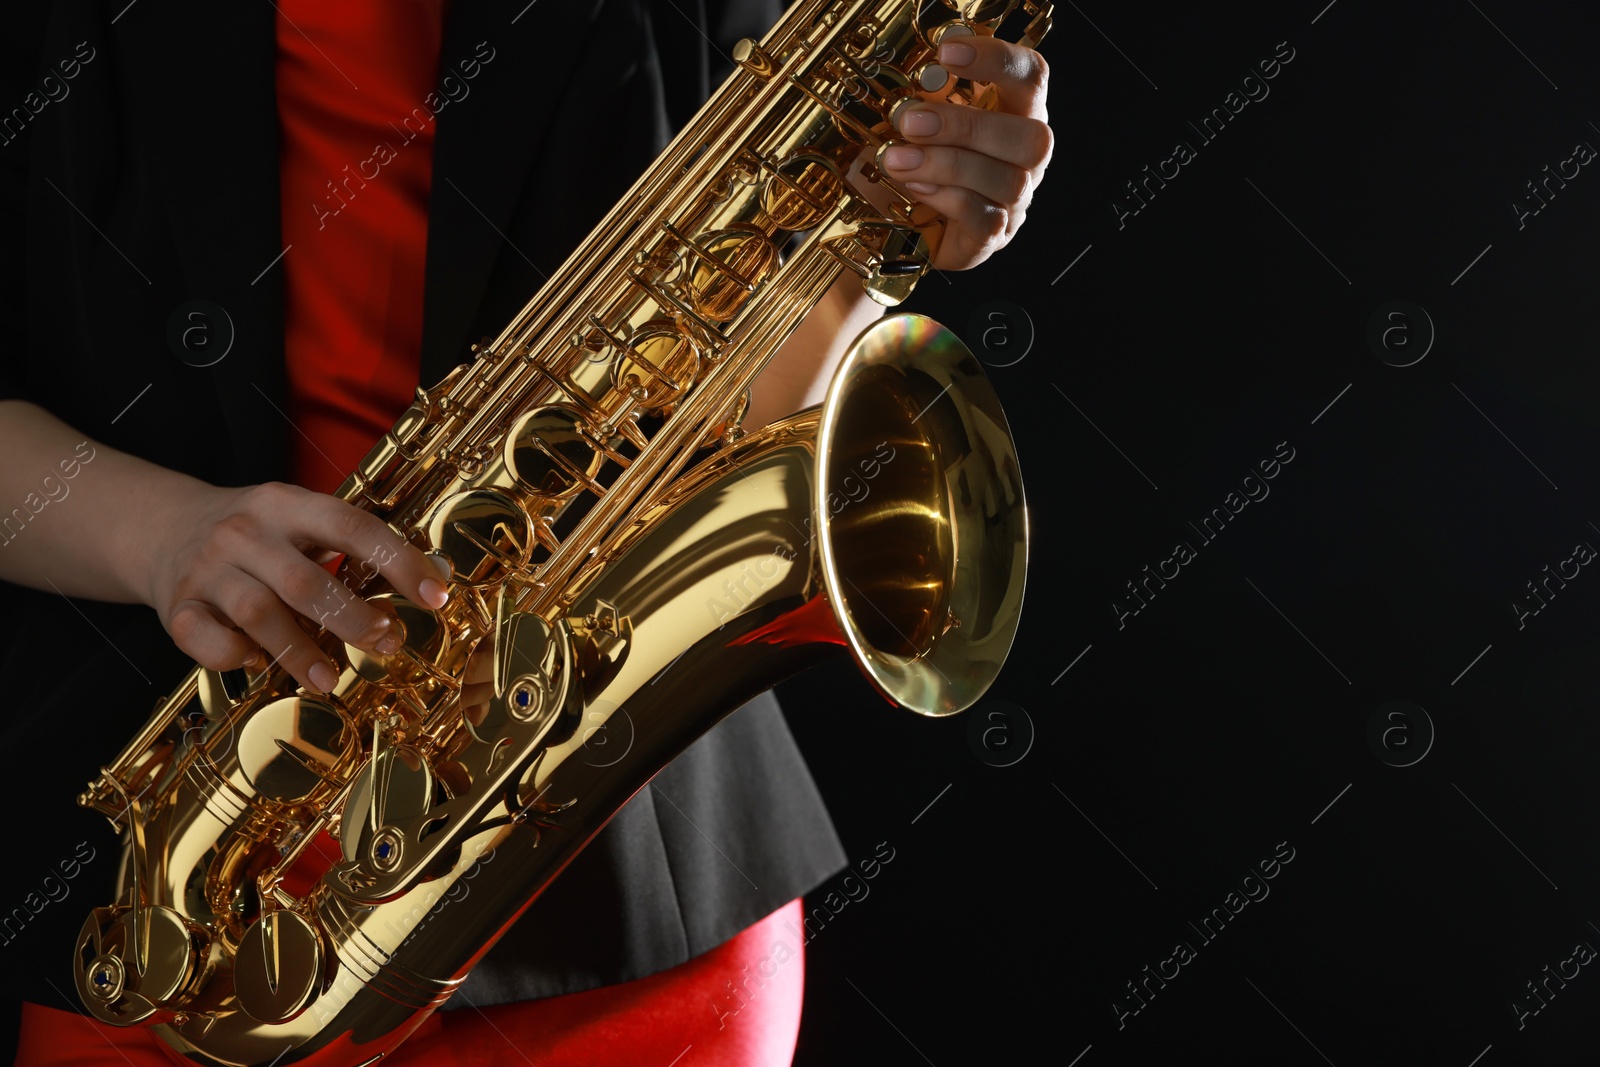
(1227, 715)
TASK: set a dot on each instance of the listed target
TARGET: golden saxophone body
(627, 565)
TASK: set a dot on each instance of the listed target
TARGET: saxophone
(625, 558)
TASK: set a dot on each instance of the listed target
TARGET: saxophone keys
(393, 791)
(118, 992)
(1039, 26)
(897, 257)
(947, 31)
(550, 456)
(423, 642)
(484, 533)
(291, 746)
(657, 364)
(728, 266)
(931, 77)
(801, 191)
(220, 690)
(278, 967)
(753, 58)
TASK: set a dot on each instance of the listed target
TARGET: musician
(347, 195)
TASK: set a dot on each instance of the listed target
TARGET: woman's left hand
(977, 168)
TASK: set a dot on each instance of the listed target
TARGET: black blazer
(149, 179)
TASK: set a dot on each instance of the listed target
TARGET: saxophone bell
(924, 527)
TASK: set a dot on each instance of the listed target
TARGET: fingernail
(957, 54)
(922, 187)
(433, 593)
(920, 122)
(323, 677)
(902, 157)
(388, 642)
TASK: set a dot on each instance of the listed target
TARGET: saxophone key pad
(483, 533)
(278, 968)
(422, 639)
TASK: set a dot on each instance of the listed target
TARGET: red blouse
(355, 164)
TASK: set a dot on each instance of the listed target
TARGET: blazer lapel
(212, 122)
(484, 146)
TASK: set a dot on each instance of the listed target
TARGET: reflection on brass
(294, 884)
(749, 55)
(801, 190)
(289, 747)
(482, 533)
(277, 967)
(728, 267)
(423, 642)
(548, 453)
(656, 366)
(928, 563)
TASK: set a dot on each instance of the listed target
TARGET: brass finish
(622, 555)
(277, 966)
(749, 55)
(934, 643)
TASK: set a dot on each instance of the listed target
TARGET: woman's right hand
(231, 573)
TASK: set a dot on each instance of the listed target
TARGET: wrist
(798, 374)
(170, 506)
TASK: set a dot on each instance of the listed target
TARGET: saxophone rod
(647, 201)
